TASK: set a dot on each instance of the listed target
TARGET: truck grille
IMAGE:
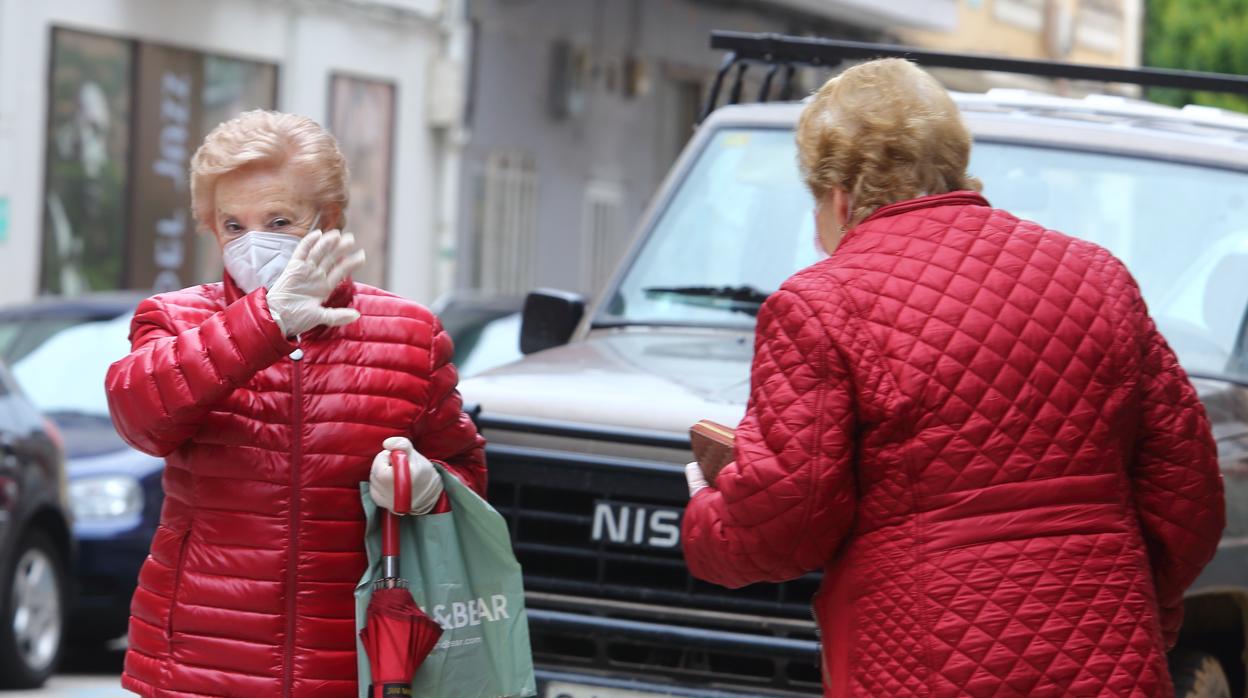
(549, 500)
(551, 530)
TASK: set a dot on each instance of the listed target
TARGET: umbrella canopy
(397, 637)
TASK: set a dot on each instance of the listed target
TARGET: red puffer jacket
(972, 426)
(248, 588)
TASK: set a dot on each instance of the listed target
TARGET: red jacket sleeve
(1175, 476)
(160, 391)
(444, 433)
(783, 508)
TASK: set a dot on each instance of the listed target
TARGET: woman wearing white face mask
(271, 396)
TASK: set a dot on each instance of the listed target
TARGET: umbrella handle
(402, 482)
(402, 504)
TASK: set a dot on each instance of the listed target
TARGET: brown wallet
(712, 447)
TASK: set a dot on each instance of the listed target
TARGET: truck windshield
(742, 221)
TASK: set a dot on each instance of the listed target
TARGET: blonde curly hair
(884, 131)
(261, 138)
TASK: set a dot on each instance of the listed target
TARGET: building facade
(1101, 32)
(103, 102)
(577, 109)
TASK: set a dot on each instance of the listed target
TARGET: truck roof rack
(785, 53)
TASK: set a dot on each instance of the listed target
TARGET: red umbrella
(397, 635)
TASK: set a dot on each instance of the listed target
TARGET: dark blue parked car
(59, 351)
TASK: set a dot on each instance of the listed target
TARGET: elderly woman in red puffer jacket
(969, 422)
(271, 396)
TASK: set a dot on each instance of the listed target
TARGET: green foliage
(1206, 35)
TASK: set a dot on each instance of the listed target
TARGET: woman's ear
(331, 217)
(829, 221)
(843, 206)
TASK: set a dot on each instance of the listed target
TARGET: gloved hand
(695, 478)
(426, 482)
(319, 264)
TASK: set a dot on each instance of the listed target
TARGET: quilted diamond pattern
(971, 423)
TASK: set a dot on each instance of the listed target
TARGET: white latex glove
(426, 482)
(319, 264)
(695, 478)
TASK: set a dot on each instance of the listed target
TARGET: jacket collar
(953, 198)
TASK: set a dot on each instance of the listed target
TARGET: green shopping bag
(462, 572)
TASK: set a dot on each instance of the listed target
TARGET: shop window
(124, 119)
(88, 145)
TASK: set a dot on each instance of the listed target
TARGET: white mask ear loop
(315, 221)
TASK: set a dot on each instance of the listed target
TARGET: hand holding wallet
(712, 447)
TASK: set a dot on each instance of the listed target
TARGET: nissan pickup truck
(588, 432)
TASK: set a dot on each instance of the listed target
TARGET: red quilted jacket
(248, 587)
(972, 426)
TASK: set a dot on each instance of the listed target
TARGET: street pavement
(92, 673)
(68, 686)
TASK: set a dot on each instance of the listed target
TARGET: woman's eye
(233, 227)
(280, 223)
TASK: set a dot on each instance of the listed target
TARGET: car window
(19, 337)
(65, 373)
(490, 345)
(742, 217)
(8, 337)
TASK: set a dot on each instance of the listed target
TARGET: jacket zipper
(292, 565)
(177, 583)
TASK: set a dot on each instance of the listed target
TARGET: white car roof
(1098, 123)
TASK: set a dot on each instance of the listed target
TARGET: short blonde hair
(884, 131)
(261, 138)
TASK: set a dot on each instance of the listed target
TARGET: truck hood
(651, 379)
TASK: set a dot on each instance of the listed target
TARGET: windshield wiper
(77, 416)
(739, 299)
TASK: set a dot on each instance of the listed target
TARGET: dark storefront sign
(124, 119)
(166, 125)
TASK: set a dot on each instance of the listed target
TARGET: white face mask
(257, 258)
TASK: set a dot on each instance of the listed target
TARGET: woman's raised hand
(320, 262)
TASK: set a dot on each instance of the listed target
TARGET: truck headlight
(105, 497)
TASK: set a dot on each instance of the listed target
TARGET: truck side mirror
(550, 317)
